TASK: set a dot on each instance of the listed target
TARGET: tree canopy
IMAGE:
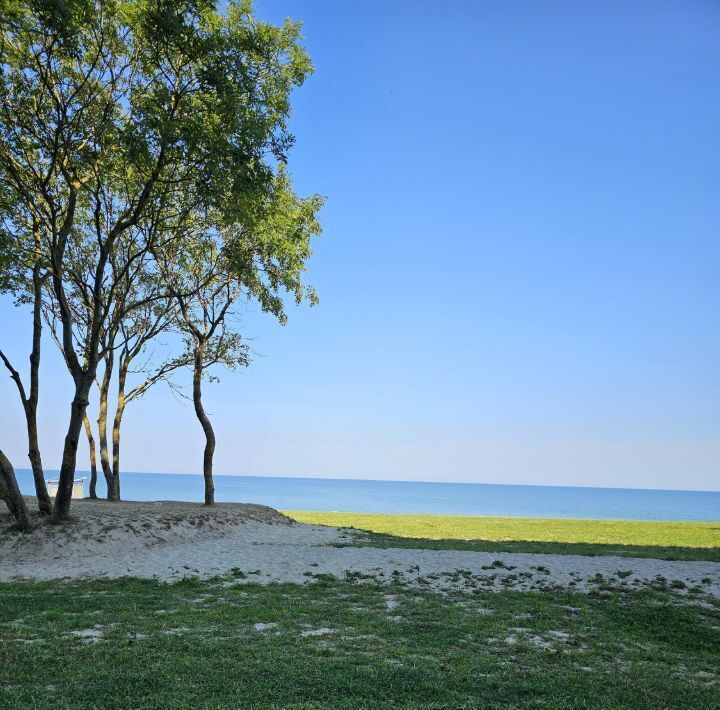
(132, 130)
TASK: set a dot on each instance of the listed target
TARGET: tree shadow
(365, 538)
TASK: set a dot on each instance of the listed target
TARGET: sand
(242, 543)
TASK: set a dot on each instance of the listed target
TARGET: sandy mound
(100, 529)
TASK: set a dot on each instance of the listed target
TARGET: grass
(353, 644)
(628, 538)
(337, 644)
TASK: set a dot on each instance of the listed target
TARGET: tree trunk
(30, 402)
(30, 409)
(93, 460)
(117, 421)
(44, 502)
(61, 509)
(113, 492)
(43, 498)
(10, 492)
(205, 422)
(113, 489)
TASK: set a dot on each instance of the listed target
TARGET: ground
(344, 644)
(285, 615)
(620, 538)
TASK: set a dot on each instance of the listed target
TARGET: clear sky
(520, 270)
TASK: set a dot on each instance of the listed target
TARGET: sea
(373, 496)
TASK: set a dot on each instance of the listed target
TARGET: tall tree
(261, 257)
(211, 341)
(110, 106)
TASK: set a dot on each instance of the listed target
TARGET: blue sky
(520, 268)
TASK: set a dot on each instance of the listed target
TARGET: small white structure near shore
(78, 490)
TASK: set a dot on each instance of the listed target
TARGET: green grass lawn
(337, 644)
(631, 538)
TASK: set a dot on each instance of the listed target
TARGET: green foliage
(142, 160)
(227, 258)
(268, 256)
(142, 117)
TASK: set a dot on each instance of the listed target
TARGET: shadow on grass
(365, 538)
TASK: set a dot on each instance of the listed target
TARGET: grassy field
(353, 644)
(337, 644)
(631, 538)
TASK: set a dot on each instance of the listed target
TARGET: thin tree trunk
(117, 421)
(43, 497)
(93, 459)
(205, 423)
(44, 502)
(10, 492)
(112, 492)
(30, 409)
(30, 402)
(61, 508)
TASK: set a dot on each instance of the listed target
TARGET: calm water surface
(411, 497)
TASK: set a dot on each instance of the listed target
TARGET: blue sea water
(363, 496)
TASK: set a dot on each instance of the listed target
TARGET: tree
(260, 256)
(142, 310)
(211, 341)
(24, 277)
(108, 107)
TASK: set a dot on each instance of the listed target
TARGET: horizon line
(393, 480)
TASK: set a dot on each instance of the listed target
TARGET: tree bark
(113, 490)
(43, 497)
(44, 502)
(205, 423)
(117, 421)
(61, 508)
(10, 492)
(93, 459)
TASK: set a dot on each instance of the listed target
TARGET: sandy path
(174, 541)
